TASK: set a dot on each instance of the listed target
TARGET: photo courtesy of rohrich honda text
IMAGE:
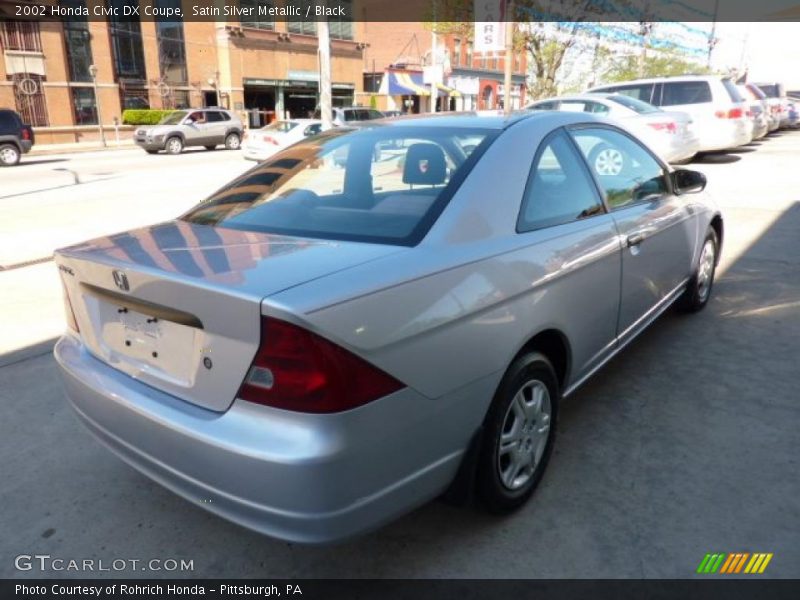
(344, 283)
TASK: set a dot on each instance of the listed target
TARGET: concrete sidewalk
(48, 149)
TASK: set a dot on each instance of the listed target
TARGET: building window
(342, 27)
(29, 98)
(126, 43)
(494, 63)
(171, 46)
(256, 21)
(20, 35)
(84, 106)
(518, 62)
(469, 54)
(78, 43)
(457, 52)
(305, 27)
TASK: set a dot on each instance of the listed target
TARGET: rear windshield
(382, 185)
(638, 106)
(280, 126)
(639, 91)
(755, 91)
(772, 90)
(174, 118)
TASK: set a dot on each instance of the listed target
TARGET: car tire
(519, 432)
(174, 145)
(233, 141)
(9, 155)
(607, 160)
(698, 290)
(211, 147)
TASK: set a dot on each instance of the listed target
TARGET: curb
(68, 149)
(17, 356)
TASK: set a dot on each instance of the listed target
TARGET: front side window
(173, 118)
(383, 185)
(583, 106)
(637, 106)
(627, 172)
(559, 188)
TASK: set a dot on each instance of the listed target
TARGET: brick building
(265, 67)
(397, 54)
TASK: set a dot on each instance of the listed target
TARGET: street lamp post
(93, 73)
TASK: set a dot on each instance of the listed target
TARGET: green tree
(630, 67)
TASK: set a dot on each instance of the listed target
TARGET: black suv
(16, 138)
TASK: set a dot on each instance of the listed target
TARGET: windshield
(173, 118)
(280, 126)
(383, 185)
(638, 106)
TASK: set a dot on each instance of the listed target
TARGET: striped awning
(445, 91)
(407, 84)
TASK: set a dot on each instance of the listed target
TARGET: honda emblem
(121, 280)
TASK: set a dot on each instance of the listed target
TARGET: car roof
(479, 119)
(663, 79)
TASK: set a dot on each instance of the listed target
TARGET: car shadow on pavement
(715, 158)
(26, 162)
(697, 419)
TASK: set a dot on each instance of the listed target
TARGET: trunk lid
(177, 305)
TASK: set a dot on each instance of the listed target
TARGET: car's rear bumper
(723, 134)
(26, 146)
(300, 477)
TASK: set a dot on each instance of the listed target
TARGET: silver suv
(208, 127)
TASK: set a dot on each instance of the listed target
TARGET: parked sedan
(757, 110)
(670, 134)
(319, 346)
(260, 144)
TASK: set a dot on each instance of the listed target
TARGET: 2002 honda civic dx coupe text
(376, 316)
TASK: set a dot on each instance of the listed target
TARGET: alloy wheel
(608, 162)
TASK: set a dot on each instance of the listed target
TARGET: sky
(770, 51)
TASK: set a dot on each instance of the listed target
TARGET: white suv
(719, 113)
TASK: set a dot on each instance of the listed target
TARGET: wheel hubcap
(175, 146)
(705, 270)
(8, 155)
(608, 162)
(233, 142)
(526, 429)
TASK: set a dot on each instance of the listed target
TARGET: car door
(216, 127)
(569, 234)
(655, 226)
(193, 129)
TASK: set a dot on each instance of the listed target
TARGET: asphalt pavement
(684, 444)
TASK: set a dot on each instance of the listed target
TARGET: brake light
(297, 370)
(26, 134)
(271, 140)
(733, 113)
(669, 127)
(72, 322)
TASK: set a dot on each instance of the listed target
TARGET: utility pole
(325, 100)
(93, 73)
(509, 56)
(712, 39)
(434, 89)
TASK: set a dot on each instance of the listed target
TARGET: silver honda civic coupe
(376, 317)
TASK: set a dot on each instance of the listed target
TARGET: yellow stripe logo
(735, 562)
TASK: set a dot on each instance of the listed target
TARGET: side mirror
(685, 181)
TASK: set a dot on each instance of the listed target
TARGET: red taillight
(72, 322)
(669, 127)
(271, 140)
(733, 113)
(26, 134)
(297, 370)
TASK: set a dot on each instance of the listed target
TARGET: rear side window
(685, 92)
(548, 105)
(772, 90)
(214, 117)
(385, 185)
(641, 91)
(352, 115)
(583, 106)
(559, 188)
(8, 121)
(633, 104)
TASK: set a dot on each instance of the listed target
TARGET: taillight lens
(297, 370)
(669, 127)
(733, 113)
(72, 322)
(26, 134)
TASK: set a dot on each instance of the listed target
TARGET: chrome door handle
(635, 239)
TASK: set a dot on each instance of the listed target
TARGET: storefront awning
(445, 91)
(406, 84)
